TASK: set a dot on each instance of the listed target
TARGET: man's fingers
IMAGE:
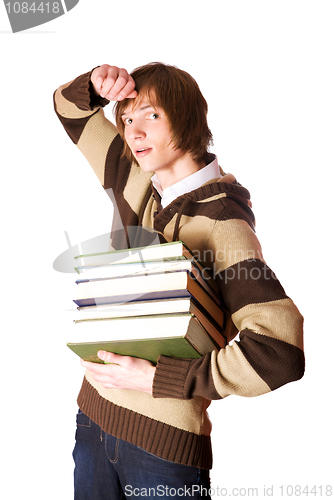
(117, 85)
(99, 76)
(122, 372)
(110, 357)
(121, 91)
(121, 88)
(125, 94)
(112, 83)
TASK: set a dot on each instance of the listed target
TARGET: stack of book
(145, 302)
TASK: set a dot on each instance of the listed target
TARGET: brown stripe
(249, 282)
(116, 178)
(81, 92)
(74, 127)
(184, 378)
(276, 362)
(158, 438)
(69, 109)
(229, 204)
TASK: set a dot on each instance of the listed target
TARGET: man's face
(148, 134)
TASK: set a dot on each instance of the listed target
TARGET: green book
(146, 337)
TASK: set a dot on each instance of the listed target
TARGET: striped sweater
(215, 221)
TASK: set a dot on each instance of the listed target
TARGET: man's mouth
(142, 152)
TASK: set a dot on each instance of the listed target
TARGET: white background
(266, 70)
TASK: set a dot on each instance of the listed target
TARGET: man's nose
(137, 131)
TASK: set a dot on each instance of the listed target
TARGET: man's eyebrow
(141, 108)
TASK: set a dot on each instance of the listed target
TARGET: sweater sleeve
(80, 110)
(269, 352)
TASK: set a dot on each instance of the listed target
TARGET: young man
(143, 426)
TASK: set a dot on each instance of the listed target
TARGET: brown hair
(178, 94)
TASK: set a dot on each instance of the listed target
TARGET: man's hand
(115, 84)
(125, 372)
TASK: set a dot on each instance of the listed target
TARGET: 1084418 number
(34, 7)
(297, 491)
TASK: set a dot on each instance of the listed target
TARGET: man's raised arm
(78, 105)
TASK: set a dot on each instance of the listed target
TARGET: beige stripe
(192, 234)
(232, 374)
(233, 241)
(212, 198)
(148, 216)
(138, 184)
(95, 141)
(229, 242)
(278, 319)
(182, 414)
(68, 109)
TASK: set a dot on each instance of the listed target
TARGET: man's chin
(145, 168)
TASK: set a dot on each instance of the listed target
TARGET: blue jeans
(110, 468)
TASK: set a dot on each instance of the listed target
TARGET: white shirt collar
(193, 181)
